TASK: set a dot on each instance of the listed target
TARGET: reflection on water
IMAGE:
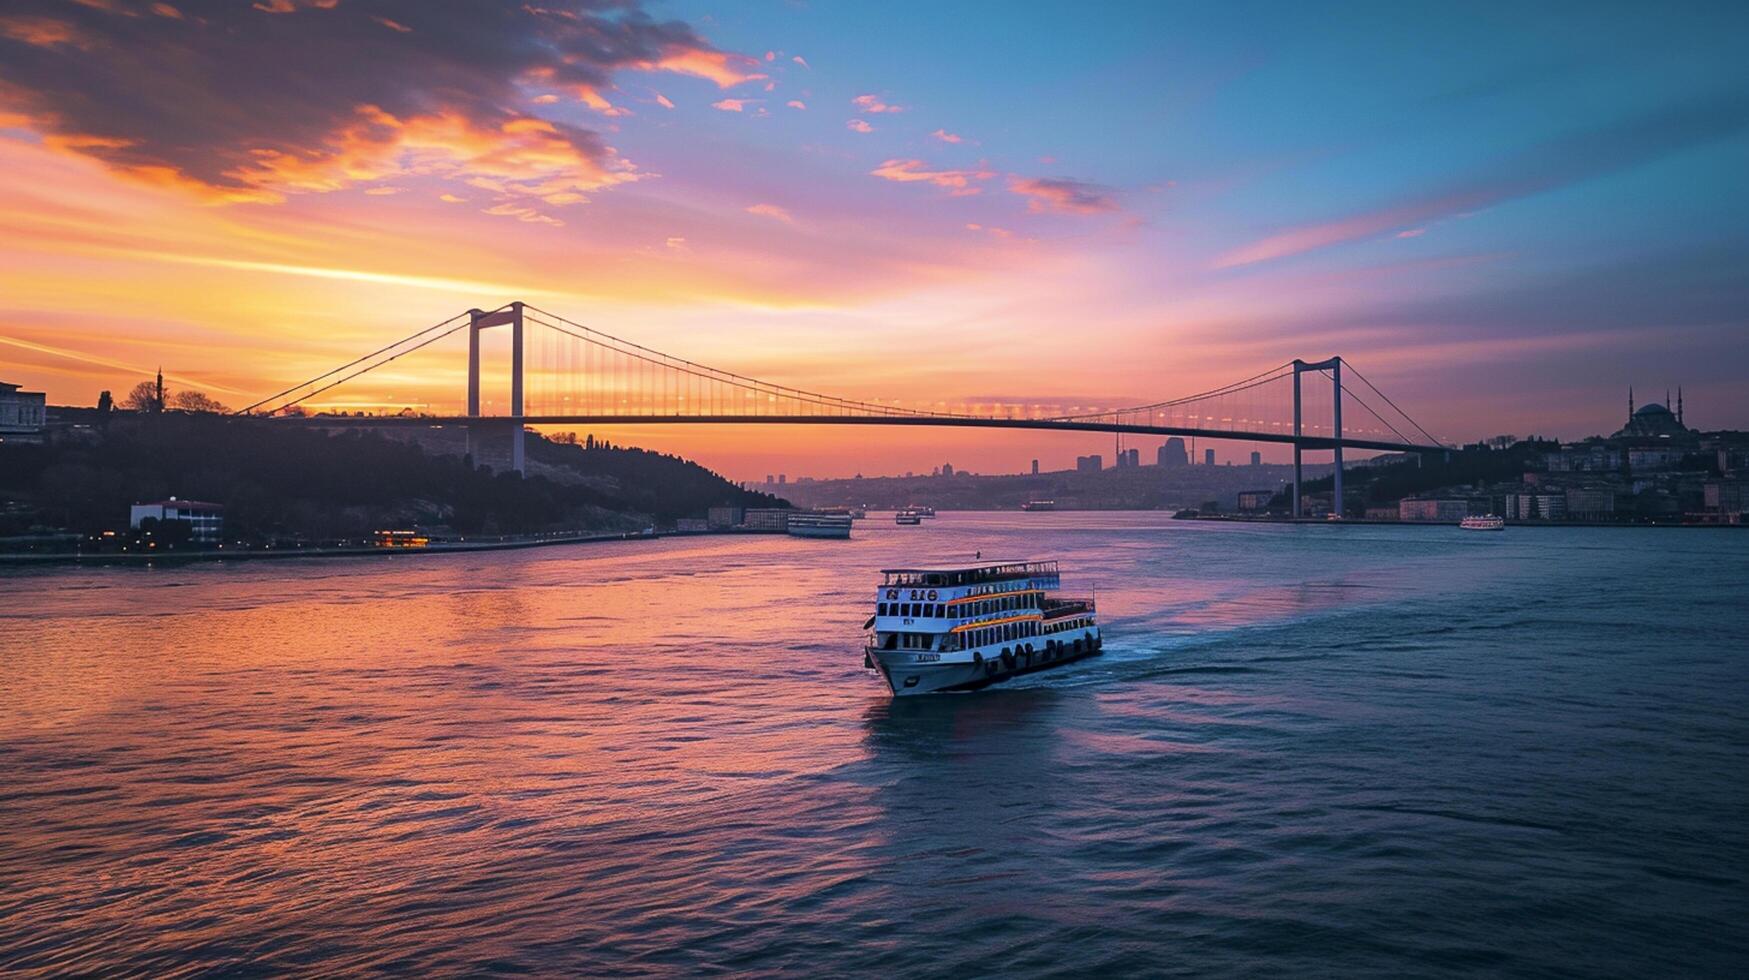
(1360, 749)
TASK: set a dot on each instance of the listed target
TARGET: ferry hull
(906, 677)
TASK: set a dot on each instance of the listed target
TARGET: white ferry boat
(927, 513)
(963, 627)
(819, 525)
(1483, 522)
(907, 516)
(1039, 505)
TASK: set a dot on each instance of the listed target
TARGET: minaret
(1630, 401)
(1679, 405)
(159, 395)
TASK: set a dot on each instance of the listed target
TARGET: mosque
(1655, 421)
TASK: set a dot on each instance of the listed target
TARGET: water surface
(1356, 750)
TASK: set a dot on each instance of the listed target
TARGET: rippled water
(1307, 749)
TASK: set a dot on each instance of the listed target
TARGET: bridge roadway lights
(1334, 366)
(510, 316)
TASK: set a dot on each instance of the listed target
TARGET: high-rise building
(1208, 457)
(1134, 455)
(1035, 467)
(1172, 453)
(1256, 458)
(783, 479)
(769, 479)
(1089, 464)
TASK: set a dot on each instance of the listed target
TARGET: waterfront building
(765, 519)
(206, 521)
(1383, 512)
(722, 517)
(1172, 453)
(1591, 503)
(23, 414)
(1448, 510)
(1253, 501)
(1532, 505)
(1725, 496)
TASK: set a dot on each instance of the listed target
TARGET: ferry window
(904, 609)
(881, 609)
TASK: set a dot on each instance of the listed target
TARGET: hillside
(280, 482)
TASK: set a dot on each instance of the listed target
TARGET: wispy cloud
(771, 211)
(796, 104)
(1557, 163)
(873, 103)
(916, 171)
(859, 125)
(1063, 195)
(732, 105)
(947, 137)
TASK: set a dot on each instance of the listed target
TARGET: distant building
(1536, 506)
(1256, 458)
(1725, 496)
(1035, 467)
(1172, 453)
(782, 479)
(1383, 512)
(1654, 421)
(206, 521)
(1590, 502)
(1208, 457)
(765, 519)
(22, 414)
(1089, 464)
(720, 517)
(1252, 501)
(947, 469)
(1135, 456)
(769, 479)
(1439, 509)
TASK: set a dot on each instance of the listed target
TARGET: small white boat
(819, 525)
(1483, 522)
(907, 516)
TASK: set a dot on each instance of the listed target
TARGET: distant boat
(819, 525)
(859, 513)
(928, 513)
(907, 516)
(1039, 505)
(1483, 522)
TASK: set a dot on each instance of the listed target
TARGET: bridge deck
(1055, 425)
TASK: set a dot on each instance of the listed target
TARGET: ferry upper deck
(948, 576)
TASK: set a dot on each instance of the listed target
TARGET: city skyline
(879, 202)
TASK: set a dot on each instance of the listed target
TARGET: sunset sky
(1504, 214)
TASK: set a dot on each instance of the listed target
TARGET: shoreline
(266, 554)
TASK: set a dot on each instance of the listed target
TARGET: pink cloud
(873, 103)
(1412, 233)
(860, 125)
(663, 101)
(1063, 194)
(947, 137)
(731, 105)
(910, 171)
(798, 59)
(771, 211)
(796, 104)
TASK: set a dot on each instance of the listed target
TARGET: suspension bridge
(564, 373)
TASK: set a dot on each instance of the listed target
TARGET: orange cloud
(521, 157)
(395, 26)
(912, 171)
(41, 32)
(771, 211)
(1063, 194)
(725, 69)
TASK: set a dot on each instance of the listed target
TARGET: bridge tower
(510, 316)
(1334, 366)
